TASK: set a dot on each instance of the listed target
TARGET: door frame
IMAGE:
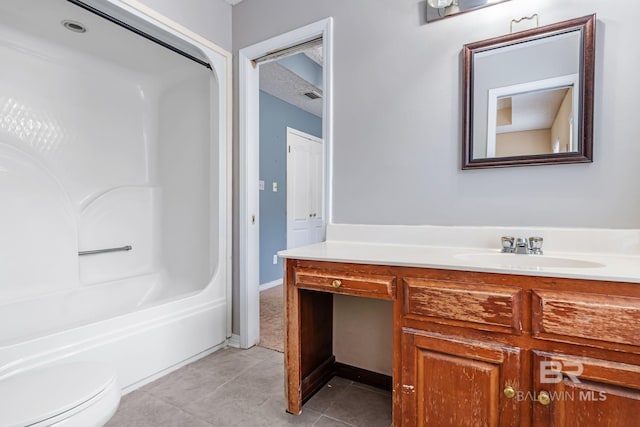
(249, 150)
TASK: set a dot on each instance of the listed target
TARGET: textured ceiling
(315, 54)
(286, 85)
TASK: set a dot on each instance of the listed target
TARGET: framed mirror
(528, 97)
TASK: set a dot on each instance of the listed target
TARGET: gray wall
(397, 115)
(209, 18)
(275, 116)
(403, 166)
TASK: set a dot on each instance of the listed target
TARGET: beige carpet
(272, 319)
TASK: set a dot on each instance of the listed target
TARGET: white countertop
(614, 266)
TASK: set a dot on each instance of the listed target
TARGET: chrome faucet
(532, 245)
(521, 246)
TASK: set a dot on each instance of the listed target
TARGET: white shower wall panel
(37, 227)
(190, 243)
(124, 216)
(83, 126)
(119, 145)
(45, 94)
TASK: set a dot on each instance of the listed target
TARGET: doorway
(249, 218)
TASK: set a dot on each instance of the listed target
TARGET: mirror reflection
(532, 122)
(529, 97)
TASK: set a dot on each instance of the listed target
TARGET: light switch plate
(275, 187)
(261, 185)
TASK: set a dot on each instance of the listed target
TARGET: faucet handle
(535, 245)
(508, 243)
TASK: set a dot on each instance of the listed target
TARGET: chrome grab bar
(103, 251)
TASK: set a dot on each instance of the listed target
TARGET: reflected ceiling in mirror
(529, 97)
(531, 119)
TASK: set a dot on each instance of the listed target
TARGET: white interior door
(316, 167)
(305, 189)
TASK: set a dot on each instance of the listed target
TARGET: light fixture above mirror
(438, 9)
(438, 4)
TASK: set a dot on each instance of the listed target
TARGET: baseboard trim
(234, 341)
(269, 285)
(363, 376)
(318, 378)
(158, 375)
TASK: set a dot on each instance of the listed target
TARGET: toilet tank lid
(37, 394)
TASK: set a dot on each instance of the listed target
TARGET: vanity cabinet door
(450, 381)
(583, 392)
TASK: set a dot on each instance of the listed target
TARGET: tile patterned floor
(245, 388)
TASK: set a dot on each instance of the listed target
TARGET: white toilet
(69, 394)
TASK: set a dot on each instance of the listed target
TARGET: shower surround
(110, 138)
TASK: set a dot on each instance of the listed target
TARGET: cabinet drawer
(359, 284)
(607, 318)
(488, 307)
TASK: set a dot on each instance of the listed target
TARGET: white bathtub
(109, 139)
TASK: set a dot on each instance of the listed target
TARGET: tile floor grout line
(334, 419)
(185, 410)
(335, 398)
(242, 371)
(180, 408)
(256, 362)
(270, 349)
(371, 388)
(352, 384)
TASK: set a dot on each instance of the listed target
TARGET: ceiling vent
(313, 95)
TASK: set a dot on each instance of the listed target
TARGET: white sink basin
(537, 262)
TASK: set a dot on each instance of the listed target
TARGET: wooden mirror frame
(586, 25)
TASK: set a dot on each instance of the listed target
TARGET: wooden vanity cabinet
(460, 360)
(605, 394)
(450, 381)
(478, 349)
(309, 288)
(581, 386)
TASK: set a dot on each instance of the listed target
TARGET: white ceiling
(533, 110)
(102, 40)
(233, 2)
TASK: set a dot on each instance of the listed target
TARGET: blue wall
(304, 67)
(275, 116)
